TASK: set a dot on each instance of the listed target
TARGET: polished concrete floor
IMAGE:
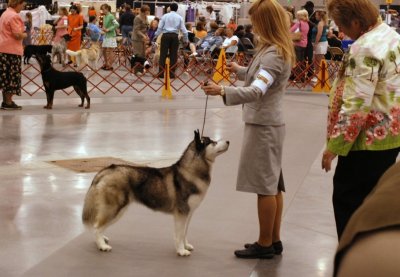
(41, 233)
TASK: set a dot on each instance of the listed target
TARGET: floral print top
(364, 106)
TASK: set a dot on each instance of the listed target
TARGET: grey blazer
(259, 108)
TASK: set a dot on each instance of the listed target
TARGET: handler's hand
(232, 67)
(211, 88)
(327, 159)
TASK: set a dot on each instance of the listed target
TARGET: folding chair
(248, 46)
(231, 52)
(204, 62)
(336, 53)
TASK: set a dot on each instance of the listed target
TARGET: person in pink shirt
(12, 33)
(300, 46)
(61, 24)
(302, 26)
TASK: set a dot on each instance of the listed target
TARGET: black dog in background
(138, 63)
(31, 50)
(54, 80)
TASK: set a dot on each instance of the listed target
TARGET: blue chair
(346, 45)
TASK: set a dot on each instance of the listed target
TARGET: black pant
(300, 64)
(169, 45)
(355, 177)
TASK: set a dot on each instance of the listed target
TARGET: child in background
(28, 29)
(94, 31)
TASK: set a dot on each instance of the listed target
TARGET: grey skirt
(260, 166)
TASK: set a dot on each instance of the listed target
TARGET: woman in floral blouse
(364, 114)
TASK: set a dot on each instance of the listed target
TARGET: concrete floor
(41, 233)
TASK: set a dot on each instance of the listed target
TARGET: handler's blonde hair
(270, 23)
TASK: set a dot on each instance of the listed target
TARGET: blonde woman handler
(260, 167)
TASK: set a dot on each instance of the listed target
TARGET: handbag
(296, 35)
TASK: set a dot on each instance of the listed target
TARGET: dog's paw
(183, 253)
(47, 107)
(104, 247)
(189, 247)
(106, 239)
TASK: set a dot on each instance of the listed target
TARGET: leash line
(204, 118)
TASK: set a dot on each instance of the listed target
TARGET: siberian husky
(177, 189)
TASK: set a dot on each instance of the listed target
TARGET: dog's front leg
(64, 57)
(188, 246)
(101, 240)
(180, 224)
(49, 96)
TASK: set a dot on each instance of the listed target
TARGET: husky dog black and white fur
(54, 80)
(59, 49)
(177, 189)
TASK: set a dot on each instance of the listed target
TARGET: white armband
(263, 80)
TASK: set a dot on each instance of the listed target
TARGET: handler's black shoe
(256, 251)
(11, 106)
(278, 247)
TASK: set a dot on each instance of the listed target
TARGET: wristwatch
(222, 91)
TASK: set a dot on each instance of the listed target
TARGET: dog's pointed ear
(197, 140)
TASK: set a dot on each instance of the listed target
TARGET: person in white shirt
(211, 14)
(230, 39)
(210, 17)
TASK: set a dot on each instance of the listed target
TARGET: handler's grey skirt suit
(261, 157)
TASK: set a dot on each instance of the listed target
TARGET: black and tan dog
(33, 50)
(139, 63)
(54, 80)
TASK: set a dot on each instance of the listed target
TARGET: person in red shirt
(232, 25)
(75, 25)
(12, 33)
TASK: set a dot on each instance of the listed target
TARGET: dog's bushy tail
(89, 212)
(73, 53)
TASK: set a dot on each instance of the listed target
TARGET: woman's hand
(327, 159)
(232, 67)
(20, 36)
(211, 88)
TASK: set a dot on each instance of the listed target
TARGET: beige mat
(89, 164)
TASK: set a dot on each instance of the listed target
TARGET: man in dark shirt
(126, 23)
(309, 53)
(248, 33)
